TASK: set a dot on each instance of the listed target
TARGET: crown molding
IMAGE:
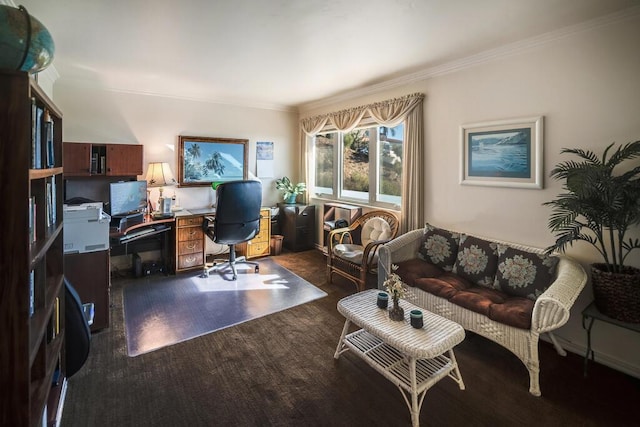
(504, 51)
(235, 102)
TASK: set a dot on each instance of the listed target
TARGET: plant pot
(291, 200)
(617, 295)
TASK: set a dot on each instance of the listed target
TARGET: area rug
(161, 311)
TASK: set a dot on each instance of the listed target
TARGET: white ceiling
(284, 53)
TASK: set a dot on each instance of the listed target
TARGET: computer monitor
(127, 198)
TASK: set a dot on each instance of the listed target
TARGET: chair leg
(231, 263)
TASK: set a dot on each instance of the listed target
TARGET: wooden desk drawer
(190, 233)
(190, 260)
(186, 222)
(190, 246)
(258, 248)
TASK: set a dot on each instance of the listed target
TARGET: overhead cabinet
(89, 159)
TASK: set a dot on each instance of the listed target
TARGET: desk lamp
(159, 175)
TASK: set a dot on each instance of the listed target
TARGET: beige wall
(586, 86)
(93, 115)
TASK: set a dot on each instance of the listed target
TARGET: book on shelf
(32, 293)
(50, 195)
(32, 219)
(48, 139)
(54, 216)
(94, 163)
(36, 135)
(57, 317)
(49, 203)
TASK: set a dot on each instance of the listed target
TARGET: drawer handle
(192, 233)
(190, 259)
(192, 246)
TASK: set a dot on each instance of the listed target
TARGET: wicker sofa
(441, 267)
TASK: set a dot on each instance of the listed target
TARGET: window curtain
(388, 113)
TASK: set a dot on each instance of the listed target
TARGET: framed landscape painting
(206, 160)
(506, 153)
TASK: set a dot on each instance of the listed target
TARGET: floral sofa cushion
(524, 274)
(440, 247)
(477, 260)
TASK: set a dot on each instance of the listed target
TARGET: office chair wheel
(257, 269)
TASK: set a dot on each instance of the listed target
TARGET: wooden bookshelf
(32, 273)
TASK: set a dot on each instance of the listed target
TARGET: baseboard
(603, 359)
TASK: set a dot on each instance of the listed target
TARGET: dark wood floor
(279, 370)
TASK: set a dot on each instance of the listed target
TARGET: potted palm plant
(290, 190)
(601, 208)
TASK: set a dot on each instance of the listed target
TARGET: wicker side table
(412, 359)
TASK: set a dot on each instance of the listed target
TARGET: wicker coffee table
(412, 359)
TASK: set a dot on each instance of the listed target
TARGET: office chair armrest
(208, 226)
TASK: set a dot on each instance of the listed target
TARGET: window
(364, 165)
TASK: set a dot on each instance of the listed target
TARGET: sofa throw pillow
(524, 274)
(440, 247)
(477, 260)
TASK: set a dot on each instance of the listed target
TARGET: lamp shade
(159, 175)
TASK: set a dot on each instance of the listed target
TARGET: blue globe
(25, 44)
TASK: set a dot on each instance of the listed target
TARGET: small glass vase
(396, 312)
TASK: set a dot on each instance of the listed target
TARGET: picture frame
(504, 153)
(204, 160)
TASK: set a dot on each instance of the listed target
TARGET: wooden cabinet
(32, 290)
(89, 274)
(89, 159)
(261, 244)
(77, 159)
(124, 159)
(189, 243)
(297, 224)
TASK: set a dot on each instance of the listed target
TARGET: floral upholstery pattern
(524, 274)
(440, 247)
(477, 260)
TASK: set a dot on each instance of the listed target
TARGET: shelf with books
(32, 305)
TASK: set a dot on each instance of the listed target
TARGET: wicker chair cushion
(375, 229)
(524, 274)
(353, 253)
(477, 260)
(440, 247)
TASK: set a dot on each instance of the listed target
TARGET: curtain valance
(386, 113)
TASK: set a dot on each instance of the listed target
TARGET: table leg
(415, 408)
(340, 348)
(456, 375)
(589, 352)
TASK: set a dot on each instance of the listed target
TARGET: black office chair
(237, 220)
(77, 317)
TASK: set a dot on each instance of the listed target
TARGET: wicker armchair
(353, 250)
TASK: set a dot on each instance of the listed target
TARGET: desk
(182, 240)
(156, 229)
(589, 315)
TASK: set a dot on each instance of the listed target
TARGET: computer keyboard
(137, 233)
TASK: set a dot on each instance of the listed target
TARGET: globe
(25, 44)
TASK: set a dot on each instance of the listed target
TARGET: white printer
(86, 228)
